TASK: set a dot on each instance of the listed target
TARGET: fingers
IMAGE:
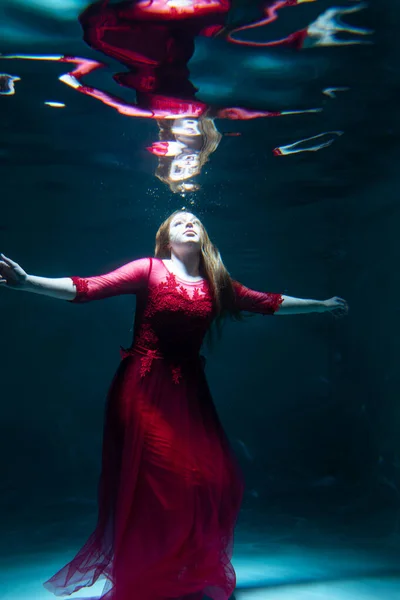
(338, 307)
(341, 303)
(8, 261)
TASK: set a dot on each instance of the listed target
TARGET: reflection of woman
(176, 155)
(154, 39)
(184, 147)
(170, 489)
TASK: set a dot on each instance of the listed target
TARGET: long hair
(212, 269)
(210, 138)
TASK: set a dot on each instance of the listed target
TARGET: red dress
(170, 489)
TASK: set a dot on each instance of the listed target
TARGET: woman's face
(186, 127)
(185, 229)
(184, 166)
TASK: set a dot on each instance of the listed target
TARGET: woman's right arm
(60, 287)
(12, 275)
(128, 279)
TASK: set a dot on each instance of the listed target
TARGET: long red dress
(170, 489)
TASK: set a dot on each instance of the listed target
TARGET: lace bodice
(172, 315)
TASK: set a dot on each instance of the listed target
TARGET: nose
(189, 224)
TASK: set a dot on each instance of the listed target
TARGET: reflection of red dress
(170, 489)
(155, 47)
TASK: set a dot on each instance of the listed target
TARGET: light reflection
(55, 104)
(331, 92)
(324, 30)
(321, 32)
(7, 87)
(308, 144)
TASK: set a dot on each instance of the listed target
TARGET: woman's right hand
(11, 274)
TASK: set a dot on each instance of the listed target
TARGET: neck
(187, 263)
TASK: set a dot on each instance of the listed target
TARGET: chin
(195, 243)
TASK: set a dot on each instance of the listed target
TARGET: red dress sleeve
(265, 303)
(128, 279)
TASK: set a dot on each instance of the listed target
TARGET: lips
(158, 148)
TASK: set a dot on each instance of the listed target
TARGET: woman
(170, 489)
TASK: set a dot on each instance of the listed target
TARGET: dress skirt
(169, 493)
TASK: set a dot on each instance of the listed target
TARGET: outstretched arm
(13, 276)
(298, 306)
(128, 279)
(268, 303)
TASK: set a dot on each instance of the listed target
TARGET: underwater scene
(178, 176)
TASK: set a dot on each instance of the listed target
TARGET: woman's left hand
(337, 306)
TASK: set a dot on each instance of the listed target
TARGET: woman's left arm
(267, 303)
(297, 306)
